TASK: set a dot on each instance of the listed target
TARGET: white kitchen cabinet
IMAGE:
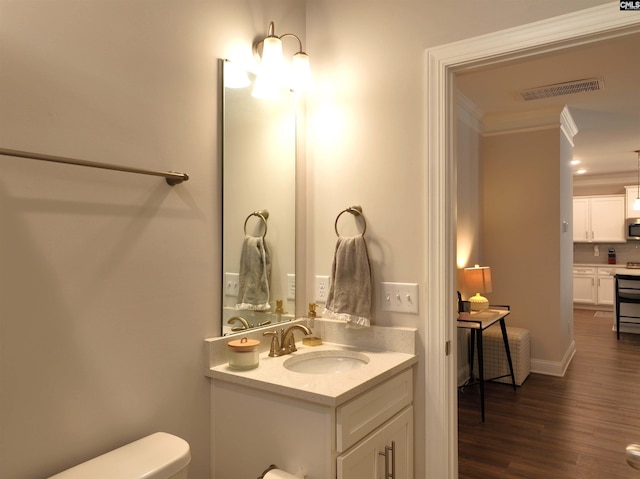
(632, 194)
(605, 285)
(599, 219)
(584, 285)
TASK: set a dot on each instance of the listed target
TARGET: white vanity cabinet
(388, 452)
(344, 441)
(599, 219)
(375, 432)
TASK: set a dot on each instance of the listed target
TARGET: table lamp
(478, 279)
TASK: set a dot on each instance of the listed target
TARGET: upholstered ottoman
(495, 357)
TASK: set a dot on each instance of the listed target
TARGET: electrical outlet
(231, 284)
(322, 289)
(399, 297)
(291, 286)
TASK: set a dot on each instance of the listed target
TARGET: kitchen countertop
(602, 265)
(325, 389)
(619, 268)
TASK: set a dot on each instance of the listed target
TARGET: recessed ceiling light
(575, 162)
(581, 171)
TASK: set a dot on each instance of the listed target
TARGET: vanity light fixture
(235, 76)
(636, 202)
(478, 279)
(271, 76)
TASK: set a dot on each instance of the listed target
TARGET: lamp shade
(301, 73)
(269, 80)
(478, 279)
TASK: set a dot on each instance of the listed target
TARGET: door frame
(441, 64)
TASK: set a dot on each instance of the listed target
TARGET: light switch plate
(399, 297)
(231, 284)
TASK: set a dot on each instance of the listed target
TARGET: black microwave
(632, 228)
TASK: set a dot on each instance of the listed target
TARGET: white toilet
(158, 456)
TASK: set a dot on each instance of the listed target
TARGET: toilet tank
(158, 456)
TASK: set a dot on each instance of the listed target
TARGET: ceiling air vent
(560, 89)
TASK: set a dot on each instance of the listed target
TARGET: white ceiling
(608, 120)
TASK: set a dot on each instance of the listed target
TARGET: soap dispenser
(311, 315)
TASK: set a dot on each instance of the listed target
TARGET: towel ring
(263, 215)
(355, 211)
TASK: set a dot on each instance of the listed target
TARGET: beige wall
(522, 239)
(110, 281)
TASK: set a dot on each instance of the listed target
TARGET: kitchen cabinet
(584, 285)
(347, 440)
(599, 219)
(632, 194)
(605, 285)
(596, 284)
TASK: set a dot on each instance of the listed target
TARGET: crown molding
(501, 123)
(623, 178)
(568, 125)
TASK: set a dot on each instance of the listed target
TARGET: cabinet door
(607, 219)
(363, 461)
(399, 432)
(581, 230)
(368, 458)
(584, 289)
(606, 293)
(632, 194)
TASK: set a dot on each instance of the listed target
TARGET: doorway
(441, 64)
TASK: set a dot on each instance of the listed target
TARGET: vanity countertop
(325, 389)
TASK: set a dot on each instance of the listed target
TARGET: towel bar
(171, 177)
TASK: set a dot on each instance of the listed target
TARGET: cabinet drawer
(609, 271)
(584, 270)
(360, 416)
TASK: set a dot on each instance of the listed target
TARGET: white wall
(110, 281)
(365, 128)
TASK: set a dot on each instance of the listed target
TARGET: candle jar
(243, 353)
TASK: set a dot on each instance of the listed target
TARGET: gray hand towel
(255, 272)
(349, 296)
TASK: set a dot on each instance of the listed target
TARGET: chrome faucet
(286, 344)
(241, 320)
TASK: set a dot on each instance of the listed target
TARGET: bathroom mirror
(258, 197)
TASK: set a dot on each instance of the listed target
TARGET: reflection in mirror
(258, 205)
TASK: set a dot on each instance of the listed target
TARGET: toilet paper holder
(300, 473)
(272, 466)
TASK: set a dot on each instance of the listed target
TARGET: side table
(476, 324)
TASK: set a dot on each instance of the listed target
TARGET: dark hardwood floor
(574, 427)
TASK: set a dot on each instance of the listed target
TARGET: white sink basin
(326, 362)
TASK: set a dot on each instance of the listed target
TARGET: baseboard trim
(554, 368)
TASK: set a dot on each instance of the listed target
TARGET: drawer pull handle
(389, 463)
